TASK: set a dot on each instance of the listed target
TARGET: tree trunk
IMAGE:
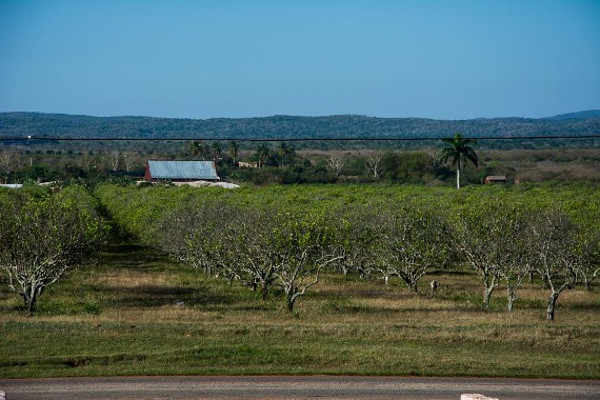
(545, 283)
(511, 303)
(290, 303)
(551, 306)
(458, 175)
(290, 293)
(412, 285)
(264, 288)
(30, 297)
(511, 298)
(30, 304)
(487, 295)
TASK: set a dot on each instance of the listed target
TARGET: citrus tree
(45, 237)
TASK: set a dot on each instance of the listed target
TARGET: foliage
(252, 234)
(413, 240)
(286, 127)
(44, 237)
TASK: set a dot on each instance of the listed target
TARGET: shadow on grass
(130, 255)
(158, 296)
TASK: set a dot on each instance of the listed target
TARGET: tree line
(287, 127)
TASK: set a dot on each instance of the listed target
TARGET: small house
(242, 164)
(494, 179)
(181, 171)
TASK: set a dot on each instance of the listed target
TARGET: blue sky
(226, 58)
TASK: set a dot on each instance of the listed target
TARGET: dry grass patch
(130, 279)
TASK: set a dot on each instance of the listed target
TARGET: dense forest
(23, 124)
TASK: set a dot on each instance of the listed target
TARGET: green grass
(121, 317)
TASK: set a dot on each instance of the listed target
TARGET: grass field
(138, 312)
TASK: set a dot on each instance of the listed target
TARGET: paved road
(291, 387)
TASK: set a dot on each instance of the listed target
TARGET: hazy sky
(227, 58)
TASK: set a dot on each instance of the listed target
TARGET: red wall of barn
(147, 173)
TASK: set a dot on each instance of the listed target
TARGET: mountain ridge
(23, 124)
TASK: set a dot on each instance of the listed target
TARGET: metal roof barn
(181, 170)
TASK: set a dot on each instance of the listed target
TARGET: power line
(333, 139)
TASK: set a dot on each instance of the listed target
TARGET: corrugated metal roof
(182, 170)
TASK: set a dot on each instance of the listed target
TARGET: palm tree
(282, 150)
(460, 151)
(262, 154)
(234, 150)
(198, 149)
(216, 148)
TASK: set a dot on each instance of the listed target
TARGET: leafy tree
(459, 151)
(43, 238)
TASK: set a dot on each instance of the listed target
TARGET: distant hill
(22, 124)
(576, 115)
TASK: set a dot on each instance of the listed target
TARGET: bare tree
(359, 231)
(374, 165)
(551, 240)
(258, 247)
(42, 239)
(193, 233)
(487, 237)
(305, 244)
(336, 163)
(113, 159)
(129, 158)
(587, 251)
(252, 256)
(85, 161)
(9, 162)
(414, 239)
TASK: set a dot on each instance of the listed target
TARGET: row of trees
(43, 236)
(19, 167)
(266, 246)
(458, 150)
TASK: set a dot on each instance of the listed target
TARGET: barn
(181, 171)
